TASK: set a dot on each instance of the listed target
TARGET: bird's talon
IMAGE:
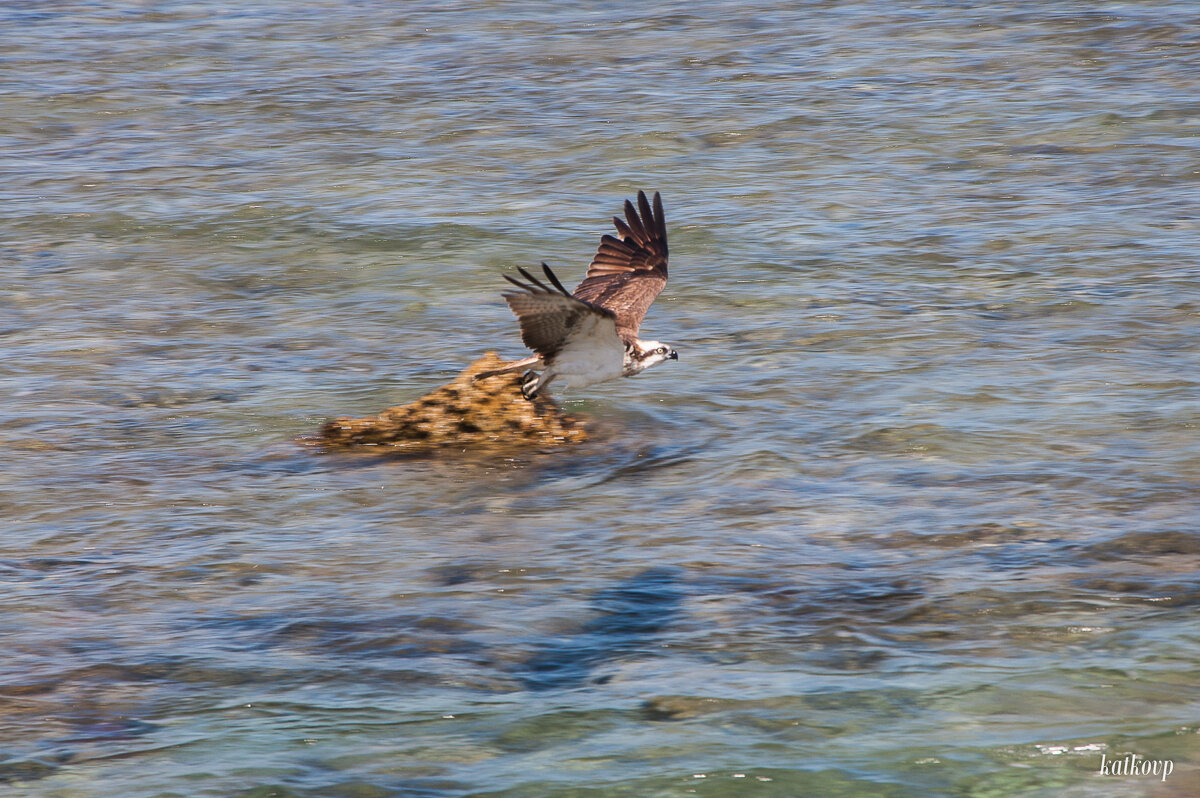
(529, 385)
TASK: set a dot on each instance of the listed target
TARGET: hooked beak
(673, 356)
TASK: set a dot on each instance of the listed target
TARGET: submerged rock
(462, 413)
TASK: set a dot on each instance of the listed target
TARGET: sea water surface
(915, 513)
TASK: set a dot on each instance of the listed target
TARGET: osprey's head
(644, 354)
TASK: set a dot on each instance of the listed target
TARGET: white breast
(593, 353)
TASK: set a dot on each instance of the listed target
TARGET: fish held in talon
(590, 335)
(463, 413)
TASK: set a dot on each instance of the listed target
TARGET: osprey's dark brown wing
(628, 273)
(551, 318)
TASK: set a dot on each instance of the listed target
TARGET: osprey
(590, 335)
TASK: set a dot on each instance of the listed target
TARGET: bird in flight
(590, 335)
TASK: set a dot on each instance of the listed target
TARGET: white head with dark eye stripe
(641, 355)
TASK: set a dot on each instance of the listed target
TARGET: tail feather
(517, 365)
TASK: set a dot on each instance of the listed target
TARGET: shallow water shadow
(628, 618)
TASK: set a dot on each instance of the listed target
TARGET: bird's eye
(662, 350)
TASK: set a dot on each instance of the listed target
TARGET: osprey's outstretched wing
(551, 318)
(627, 274)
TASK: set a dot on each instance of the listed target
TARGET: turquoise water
(914, 514)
